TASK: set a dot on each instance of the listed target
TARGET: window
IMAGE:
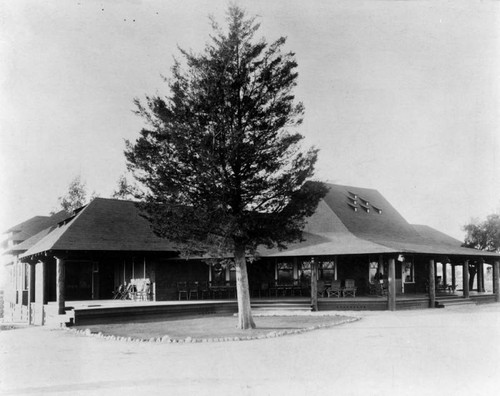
(305, 271)
(326, 270)
(218, 273)
(285, 272)
(407, 270)
(232, 272)
(373, 267)
(352, 206)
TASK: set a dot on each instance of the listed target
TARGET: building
(354, 235)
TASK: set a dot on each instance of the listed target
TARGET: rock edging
(166, 339)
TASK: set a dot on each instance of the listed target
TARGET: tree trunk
(245, 320)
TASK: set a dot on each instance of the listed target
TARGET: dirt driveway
(451, 351)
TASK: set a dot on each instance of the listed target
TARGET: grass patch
(215, 327)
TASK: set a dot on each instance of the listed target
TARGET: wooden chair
(321, 289)
(296, 288)
(128, 292)
(139, 289)
(335, 290)
(204, 290)
(349, 288)
(273, 289)
(264, 289)
(118, 293)
(182, 290)
(216, 291)
(146, 293)
(378, 288)
(193, 290)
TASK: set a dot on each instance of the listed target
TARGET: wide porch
(86, 312)
(365, 281)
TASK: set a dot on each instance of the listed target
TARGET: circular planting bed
(211, 328)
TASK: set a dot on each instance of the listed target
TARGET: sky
(400, 96)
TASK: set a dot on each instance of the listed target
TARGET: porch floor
(105, 311)
(109, 303)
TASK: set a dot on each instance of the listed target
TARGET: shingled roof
(354, 220)
(103, 225)
(349, 220)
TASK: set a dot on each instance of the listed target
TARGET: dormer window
(352, 206)
(353, 200)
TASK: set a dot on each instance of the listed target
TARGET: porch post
(336, 261)
(31, 285)
(314, 285)
(295, 269)
(432, 284)
(453, 278)
(480, 275)
(275, 270)
(60, 275)
(31, 290)
(465, 276)
(443, 266)
(227, 273)
(391, 295)
(39, 292)
(496, 283)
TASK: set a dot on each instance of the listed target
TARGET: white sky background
(401, 96)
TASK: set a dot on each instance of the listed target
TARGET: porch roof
(432, 241)
(328, 244)
(103, 225)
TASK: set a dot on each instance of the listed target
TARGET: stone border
(166, 339)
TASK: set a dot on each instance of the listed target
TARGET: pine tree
(220, 158)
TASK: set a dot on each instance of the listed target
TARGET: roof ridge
(113, 199)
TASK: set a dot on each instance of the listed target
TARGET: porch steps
(483, 299)
(53, 319)
(453, 301)
(269, 306)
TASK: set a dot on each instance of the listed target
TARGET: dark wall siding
(421, 274)
(168, 273)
